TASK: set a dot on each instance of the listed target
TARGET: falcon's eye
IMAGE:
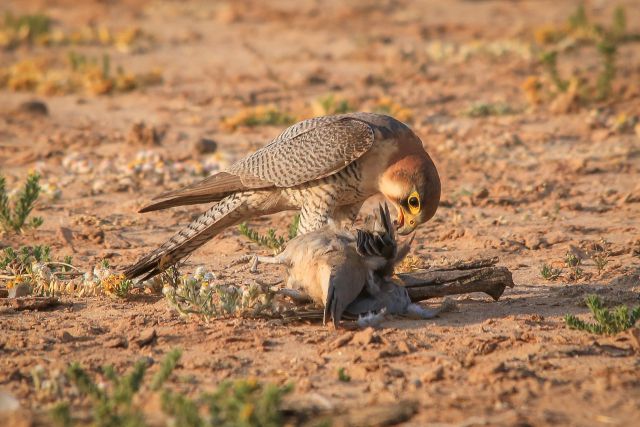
(414, 203)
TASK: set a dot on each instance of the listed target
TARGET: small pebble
(205, 146)
(20, 290)
(34, 107)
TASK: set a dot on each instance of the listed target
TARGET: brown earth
(526, 187)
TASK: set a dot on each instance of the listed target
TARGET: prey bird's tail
(227, 212)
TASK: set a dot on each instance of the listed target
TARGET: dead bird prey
(349, 273)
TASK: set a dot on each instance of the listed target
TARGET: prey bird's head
(412, 185)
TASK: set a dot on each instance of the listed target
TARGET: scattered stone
(66, 337)
(578, 252)
(481, 194)
(143, 134)
(433, 375)
(382, 414)
(394, 373)
(631, 197)
(116, 342)
(635, 338)
(205, 146)
(390, 351)
(341, 341)
(34, 107)
(263, 344)
(405, 347)
(534, 241)
(359, 372)
(556, 237)
(20, 290)
(8, 403)
(67, 236)
(146, 337)
(365, 337)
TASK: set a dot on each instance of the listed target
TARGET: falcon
(325, 167)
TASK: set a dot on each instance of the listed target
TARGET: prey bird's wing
(370, 243)
(306, 151)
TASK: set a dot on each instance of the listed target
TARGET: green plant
(293, 227)
(342, 376)
(600, 259)
(574, 262)
(607, 49)
(484, 109)
(270, 240)
(14, 218)
(550, 62)
(113, 405)
(116, 285)
(330, 104)
(20, 261)
(242, 403)
(246, 403)
(579, 34)
(549, 273)
(607, 322)
(30, 26)
(578, 19)
(196, 295)
(619, 26)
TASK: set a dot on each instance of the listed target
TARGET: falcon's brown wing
(306, 151)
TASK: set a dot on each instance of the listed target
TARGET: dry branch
(427, 284)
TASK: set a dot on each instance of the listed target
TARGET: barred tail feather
(227, 212)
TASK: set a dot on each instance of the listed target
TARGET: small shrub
(331, 104)
(550, 62)
(113, 405)
(386, 105)
(197, 295)
(600, 259)
(270, 240)
(27, 27)
(342, 376)
(483, 109)
(549, 273)
(579, 33)
(607, 322)
(246, 403)
(293, 227)
(116, 285)
(574, 262)
(242, 403)
(15, 217)
(258, 116)
(82, 73)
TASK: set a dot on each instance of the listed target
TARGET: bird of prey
(325, 167)
(349, 273)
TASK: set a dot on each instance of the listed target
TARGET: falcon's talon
(326, 167)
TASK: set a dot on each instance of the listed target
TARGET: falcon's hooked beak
(406, 223)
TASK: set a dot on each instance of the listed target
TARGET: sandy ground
(526, 187)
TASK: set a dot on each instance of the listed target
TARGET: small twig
(69, 273)
(63, 264)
